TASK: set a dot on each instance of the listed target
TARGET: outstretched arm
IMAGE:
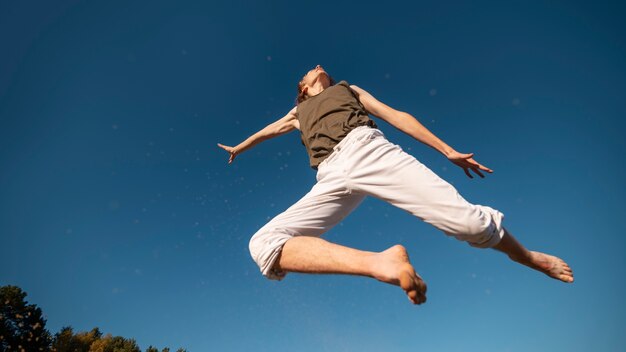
(409, 125)
(283, 125)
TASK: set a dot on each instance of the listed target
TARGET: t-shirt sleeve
(356, 96)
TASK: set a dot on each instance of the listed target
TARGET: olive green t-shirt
(326, 118)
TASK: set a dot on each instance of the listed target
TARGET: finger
(228, 149)
(468, 173)
(482, 167)
(476, 166)
(478, 172)
(222, 146)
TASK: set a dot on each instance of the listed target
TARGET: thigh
(386, 172)
(323, 207)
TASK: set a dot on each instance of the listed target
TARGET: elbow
(268, 132)
(401, 115)
(282, 128)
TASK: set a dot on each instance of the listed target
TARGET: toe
(421, 299)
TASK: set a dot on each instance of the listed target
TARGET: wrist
(447, 152)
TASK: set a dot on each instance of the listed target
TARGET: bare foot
(393, 267)
(550, 265)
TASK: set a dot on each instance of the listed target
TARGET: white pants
(364, 164)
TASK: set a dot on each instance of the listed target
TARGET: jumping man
(353, 159)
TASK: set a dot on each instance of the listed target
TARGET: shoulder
(358, 90)
(343, 84)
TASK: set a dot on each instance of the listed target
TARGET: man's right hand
(232, 151)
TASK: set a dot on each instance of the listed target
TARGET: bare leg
(545, 263)
(307, 254)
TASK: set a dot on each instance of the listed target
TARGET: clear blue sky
(117, 210)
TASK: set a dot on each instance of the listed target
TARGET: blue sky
(117, 209)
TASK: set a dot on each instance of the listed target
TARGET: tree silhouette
(66, 341)
(111, 343)
(22, 326)
(166, 349)
(23, 329)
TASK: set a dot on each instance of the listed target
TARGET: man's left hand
(466, 162)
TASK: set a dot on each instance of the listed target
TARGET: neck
(317, 87)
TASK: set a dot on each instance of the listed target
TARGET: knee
(267, 239)
(483, 228)
(265, 247)
(255, 244)
(477, 222)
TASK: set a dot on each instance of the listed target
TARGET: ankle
(522, 257)
(373, 265)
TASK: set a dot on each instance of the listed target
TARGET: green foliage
(22, 326)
